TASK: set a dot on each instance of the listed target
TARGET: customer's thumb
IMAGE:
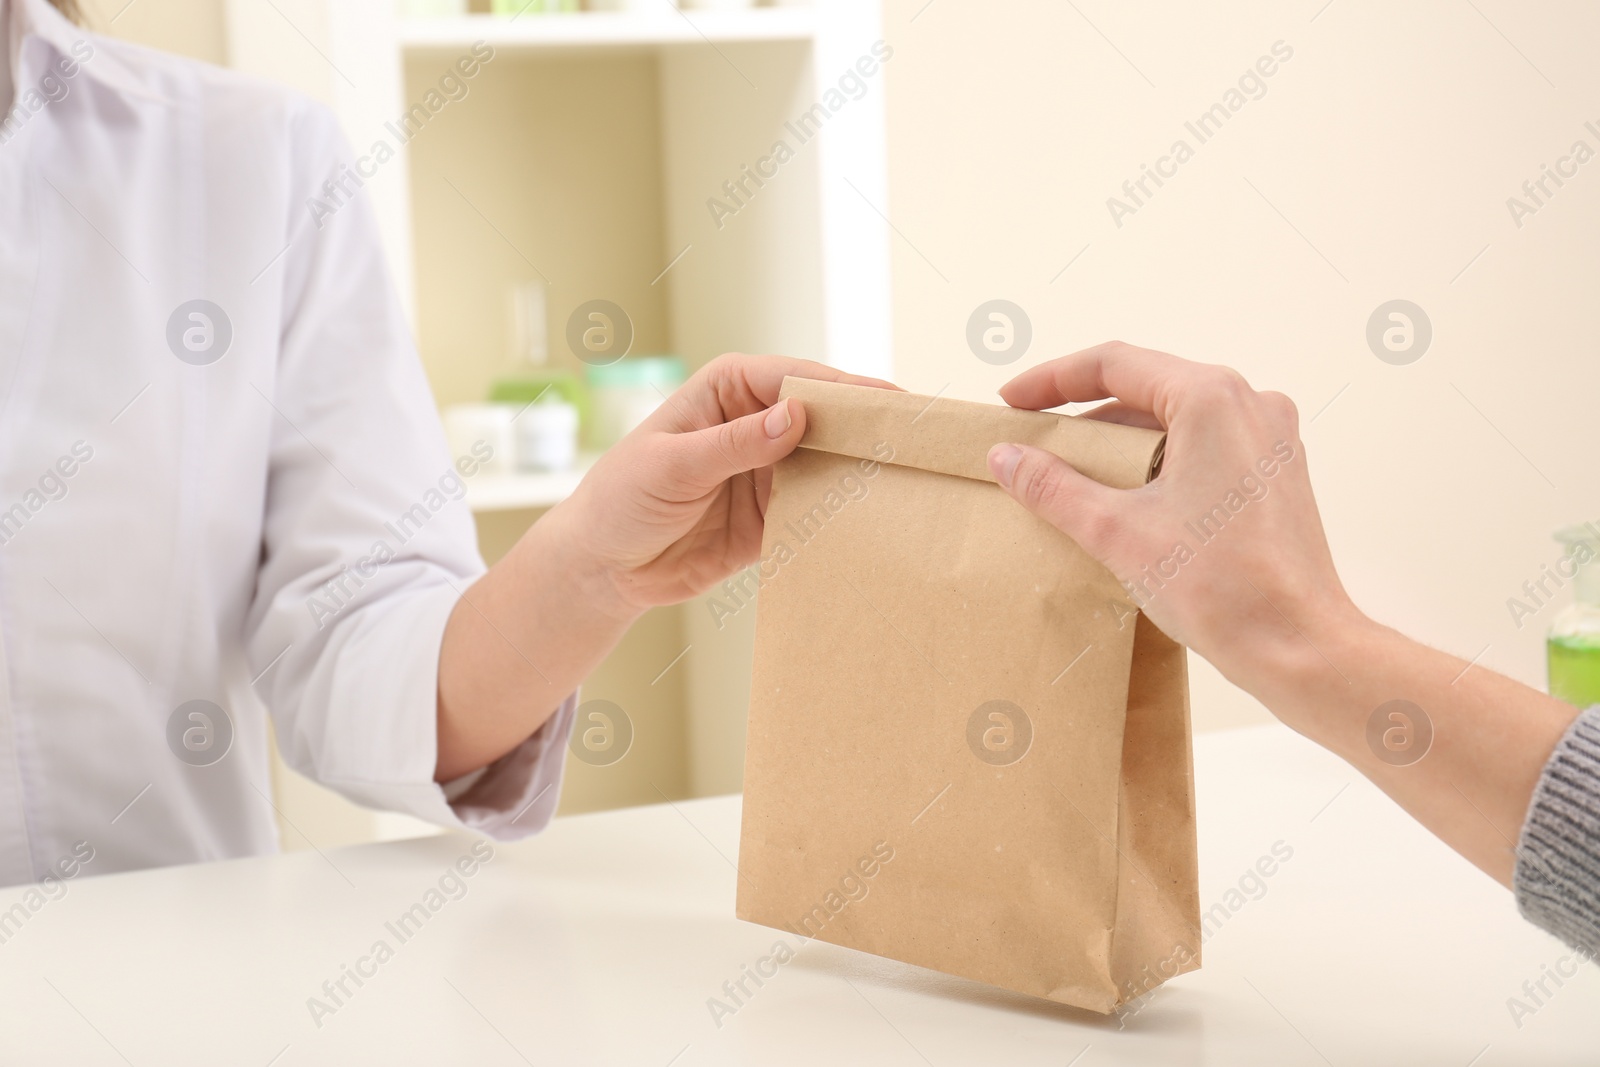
(1049, 487)
(711, 456)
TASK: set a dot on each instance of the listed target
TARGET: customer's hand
(1224, 549)
(677, 505)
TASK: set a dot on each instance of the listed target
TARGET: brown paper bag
(967, 750)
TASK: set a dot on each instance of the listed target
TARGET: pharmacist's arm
(673, 509)
(1260, 599)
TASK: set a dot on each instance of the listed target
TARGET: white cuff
(516, 795)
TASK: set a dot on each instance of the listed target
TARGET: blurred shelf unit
(526, 491)
(795, 262)
(608, 29)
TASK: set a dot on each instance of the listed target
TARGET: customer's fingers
(1123, 414)
(1139, 377)
(1045, 484)
(698, 461)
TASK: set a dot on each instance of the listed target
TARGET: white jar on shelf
(481, 432)
(547, 436)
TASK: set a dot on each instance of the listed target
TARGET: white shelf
(605, 29)
(526, 490)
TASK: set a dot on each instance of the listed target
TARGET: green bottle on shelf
(1574, 642)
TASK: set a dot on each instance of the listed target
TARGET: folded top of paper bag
(954, 436)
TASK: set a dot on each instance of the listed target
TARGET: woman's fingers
(700, 460)
(763, 376)
(727, 421)
(734, 385)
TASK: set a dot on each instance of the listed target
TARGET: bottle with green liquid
(1574, 642)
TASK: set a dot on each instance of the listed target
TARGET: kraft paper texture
(967, 750)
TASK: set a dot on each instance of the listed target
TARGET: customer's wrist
(1303, 658)
(1321, 682)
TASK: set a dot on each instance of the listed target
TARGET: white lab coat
(168, 524)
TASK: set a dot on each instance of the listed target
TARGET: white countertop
(602, 940)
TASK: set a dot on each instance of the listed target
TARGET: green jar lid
(545, 385)
(638, 372)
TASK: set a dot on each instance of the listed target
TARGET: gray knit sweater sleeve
(1557, 878)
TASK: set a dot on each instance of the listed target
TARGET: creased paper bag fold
(967, 750)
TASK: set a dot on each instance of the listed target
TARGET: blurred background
(1389, 212)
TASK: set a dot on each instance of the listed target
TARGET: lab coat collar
(39, 18)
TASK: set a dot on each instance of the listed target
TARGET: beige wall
(1391, 141)
(187, 27)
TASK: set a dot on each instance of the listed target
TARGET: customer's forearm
(518, 643)
(1491, 736)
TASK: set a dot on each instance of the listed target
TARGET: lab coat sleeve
(368, 542)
